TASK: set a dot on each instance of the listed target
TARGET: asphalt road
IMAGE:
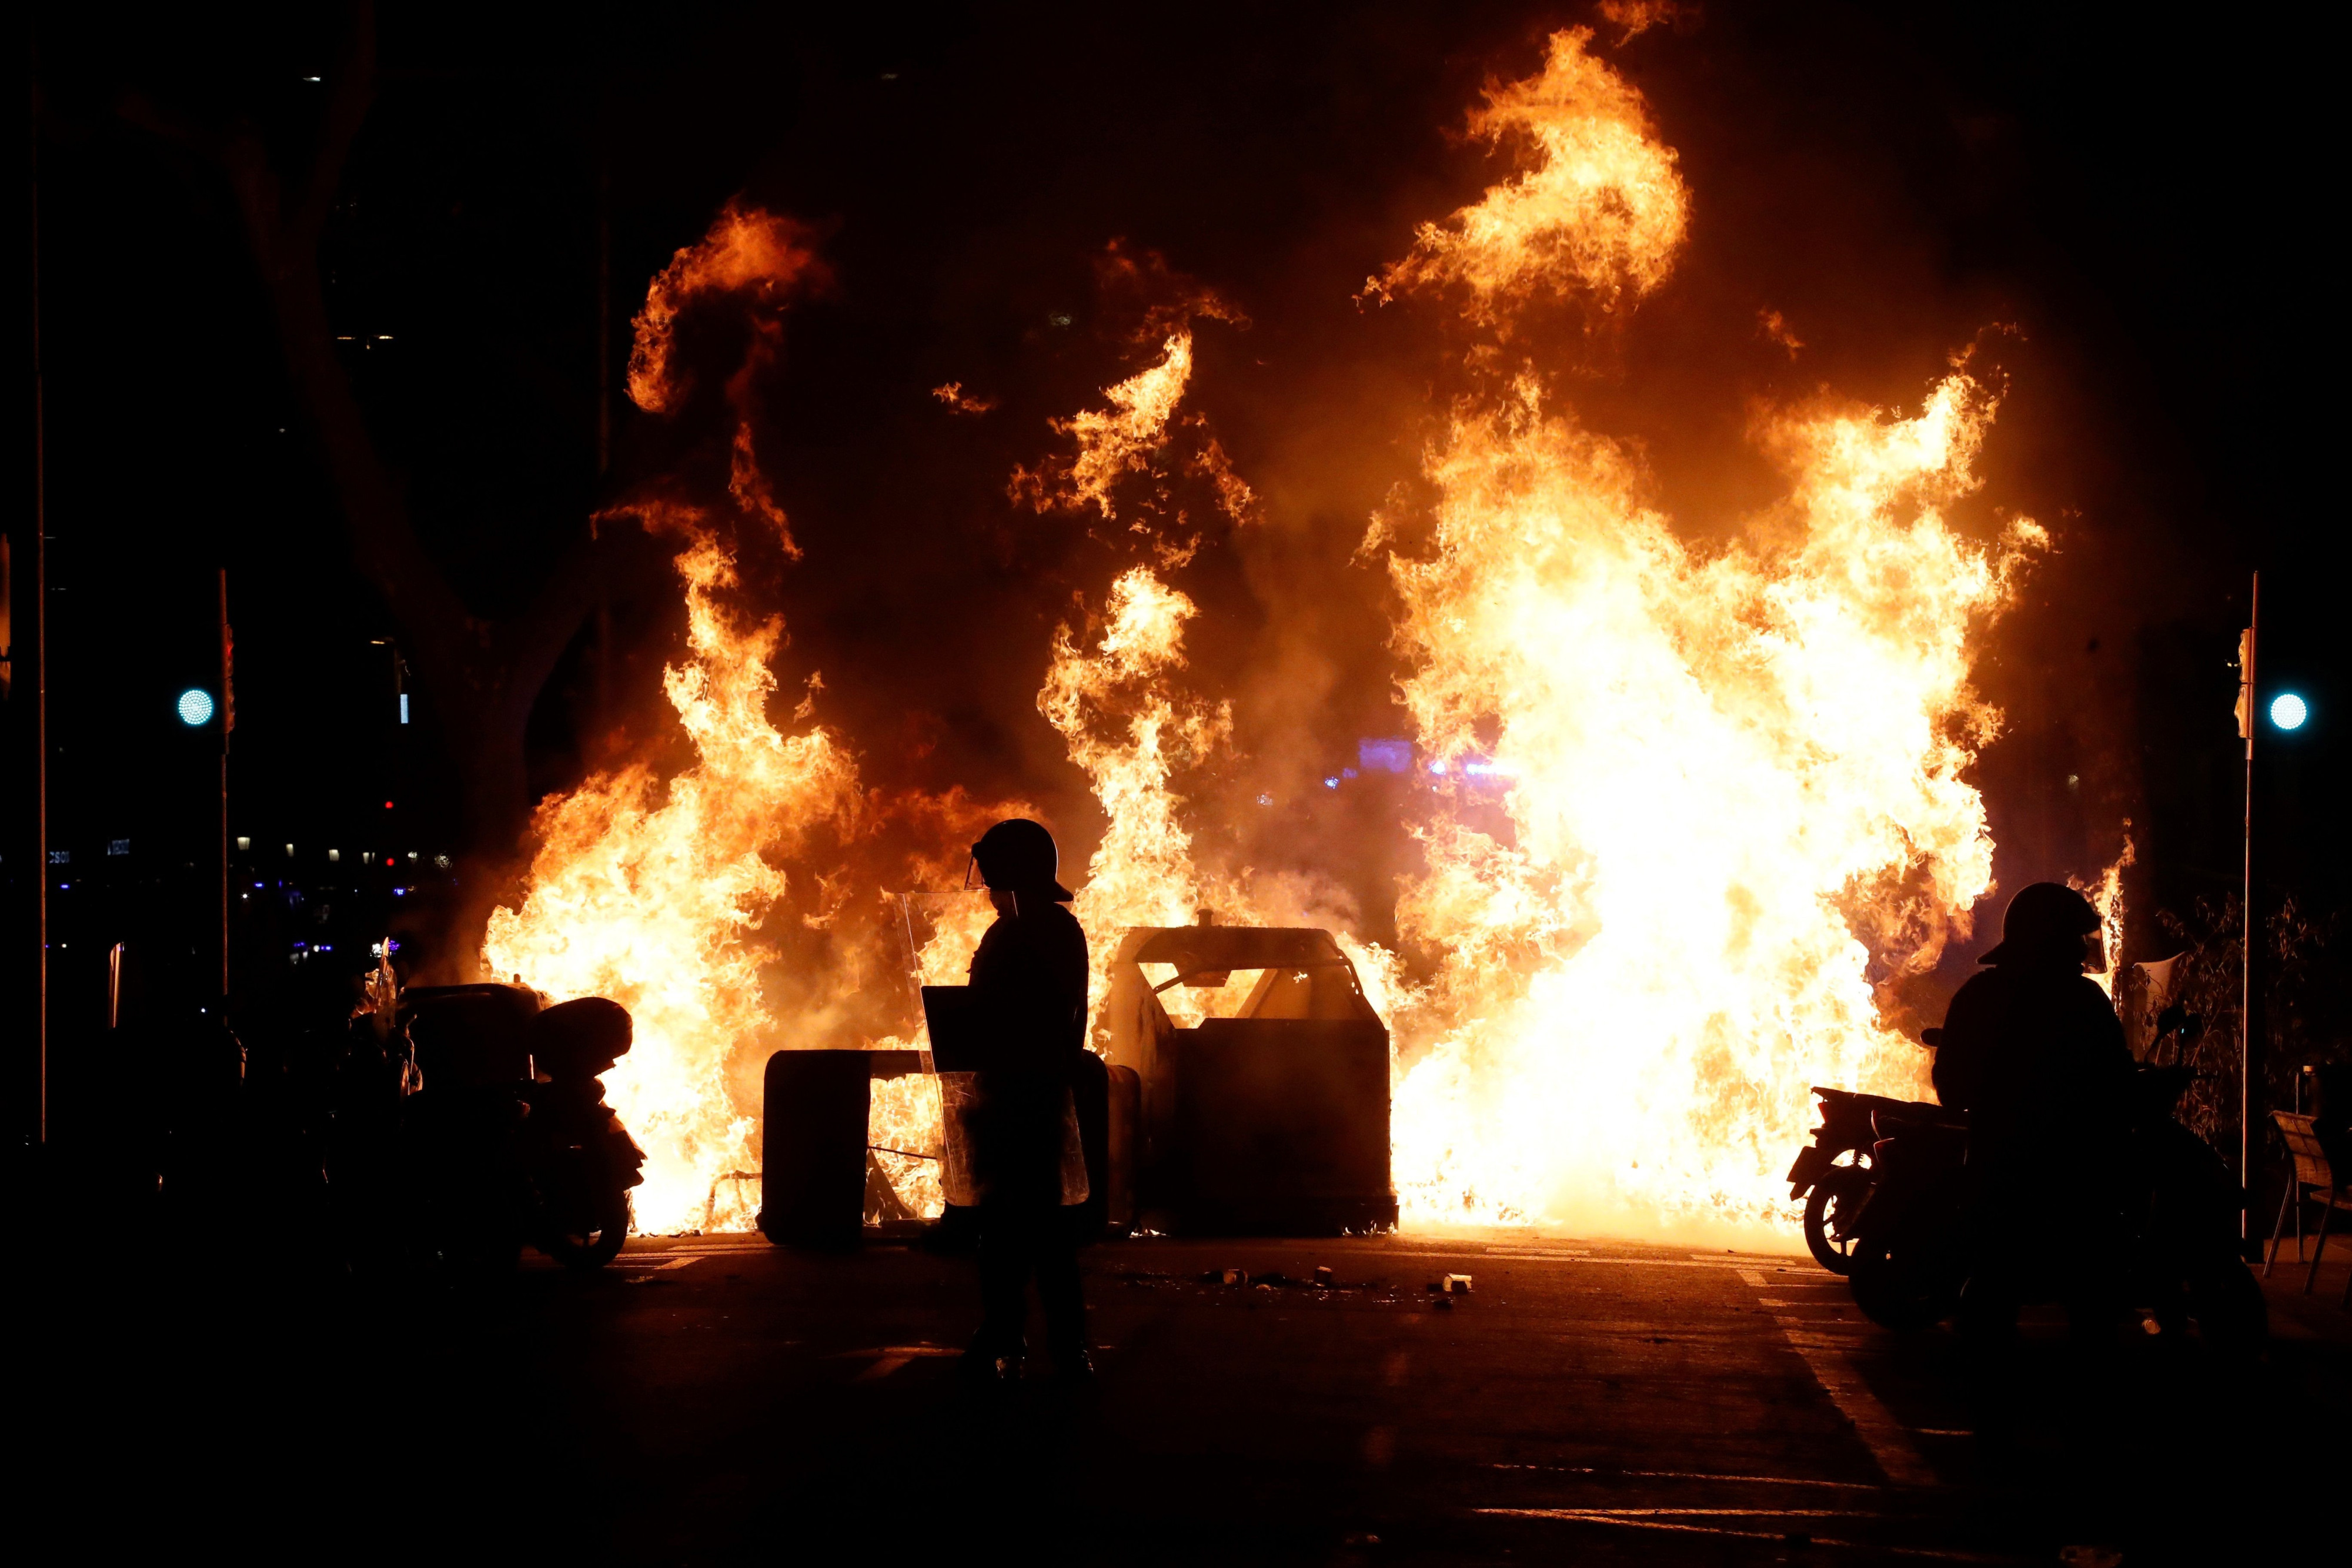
(717, 1400)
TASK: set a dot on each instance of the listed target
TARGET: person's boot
(989, 1364)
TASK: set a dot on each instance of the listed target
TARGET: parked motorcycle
(578, 1160)
(2176, 1229)
(510, 1142)
(1834, 1174)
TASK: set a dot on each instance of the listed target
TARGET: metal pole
(38, 603)
(229, 721)
(2249, 926)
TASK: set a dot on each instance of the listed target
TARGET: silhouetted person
(1029, 993)
(2034, 1053)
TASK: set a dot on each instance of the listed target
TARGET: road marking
(1695, 1476)
(1888, 1443)
(890, 1358)
(1599, 1515)
(1720, 1513)
(653, 1268)
(1589, 1258)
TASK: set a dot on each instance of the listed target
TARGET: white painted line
(1695, 1476)
(1594, 1516)
(1587, 1257)
(653, 1268)
(890, 1358)
(1727, 1513)
(1888, 1443)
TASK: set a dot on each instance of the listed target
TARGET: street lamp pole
(2250, 926)
(227, 723)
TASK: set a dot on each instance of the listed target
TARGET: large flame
(1717, 769)
(1732, 779)
(1693, 808)
(652, 894)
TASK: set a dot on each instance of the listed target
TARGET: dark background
(2119, 211)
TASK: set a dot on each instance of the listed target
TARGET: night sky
(2119, 211)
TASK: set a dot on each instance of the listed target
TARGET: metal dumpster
(1273, 1121)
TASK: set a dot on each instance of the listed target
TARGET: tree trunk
(481, 677)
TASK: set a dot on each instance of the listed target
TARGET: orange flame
(1733, 778)
(1604, 206)
(1113, 442)
(748, 249)
(1715, 768)
(652, 895)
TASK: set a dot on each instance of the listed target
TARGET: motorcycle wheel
(1892, 1290)
(594, 1244)
(2227, 1302)
(1831, 1207)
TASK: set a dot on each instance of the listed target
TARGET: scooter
(1834, 1174)
(509, 1142)
(578, 1163)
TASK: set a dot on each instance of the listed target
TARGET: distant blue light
(2288, 711)
(404, 707)
(400, 893)
(1384, 755)
(196, 706)
(1438, 768)
(1331, 783)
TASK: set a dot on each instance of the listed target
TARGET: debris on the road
(1322, 1275)
(1452, 1285)
(1232, 1277)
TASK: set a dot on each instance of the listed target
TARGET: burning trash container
(1274, 1119)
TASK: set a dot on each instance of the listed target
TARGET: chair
(2314, 1181)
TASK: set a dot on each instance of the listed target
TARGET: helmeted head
(2049, 923)
(1019, 856)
